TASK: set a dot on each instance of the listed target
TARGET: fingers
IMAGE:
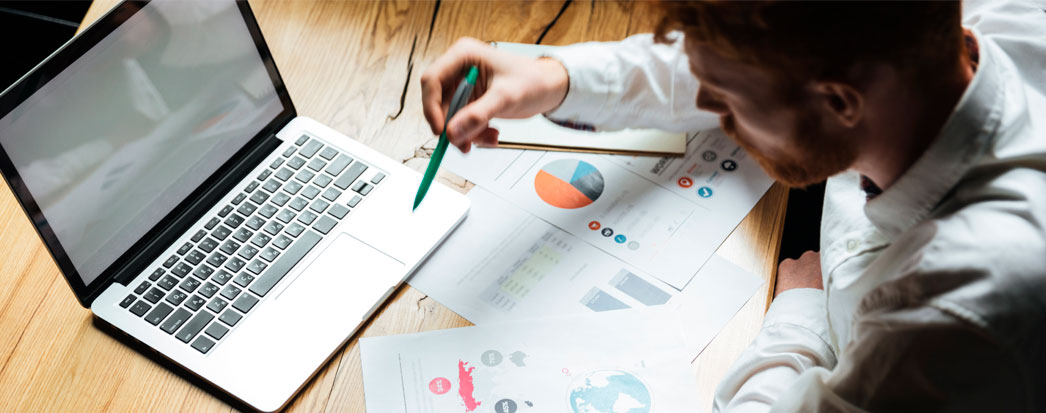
(472, 119)
(432, 102)
(441, 78)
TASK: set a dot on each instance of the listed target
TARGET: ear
(841, 101)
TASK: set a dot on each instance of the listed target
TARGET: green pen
(461, 97)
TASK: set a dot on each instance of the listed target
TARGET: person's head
(802, 86)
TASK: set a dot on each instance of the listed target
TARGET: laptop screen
(129, 129)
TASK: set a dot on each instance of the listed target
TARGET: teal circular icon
(620, 239)
(704, 192)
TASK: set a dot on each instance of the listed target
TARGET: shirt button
(851, 245)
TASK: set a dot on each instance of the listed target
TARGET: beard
(816, 155)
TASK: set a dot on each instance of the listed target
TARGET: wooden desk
(339, 60)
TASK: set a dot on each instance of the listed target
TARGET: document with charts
(505, 264)
(621, 361)
(664, 216)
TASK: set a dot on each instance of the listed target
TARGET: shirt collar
(963, 138)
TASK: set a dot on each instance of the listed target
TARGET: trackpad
(348, 277)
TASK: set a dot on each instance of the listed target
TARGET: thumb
(472, 119)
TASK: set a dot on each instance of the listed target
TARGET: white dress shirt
(934, 290)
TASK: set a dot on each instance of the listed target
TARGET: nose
(708, 102)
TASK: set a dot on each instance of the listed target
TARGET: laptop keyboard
(238, 255)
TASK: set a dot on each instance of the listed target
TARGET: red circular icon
(685, 182)
(594, 225)
(439, 385)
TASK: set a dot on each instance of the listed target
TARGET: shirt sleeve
(634, 83)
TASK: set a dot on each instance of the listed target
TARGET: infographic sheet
(622, 361)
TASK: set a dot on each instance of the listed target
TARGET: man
(930, 289)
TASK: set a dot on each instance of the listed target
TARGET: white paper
(505, 264)
(621, 361)
(664, 216)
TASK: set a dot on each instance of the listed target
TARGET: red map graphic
(465, 387)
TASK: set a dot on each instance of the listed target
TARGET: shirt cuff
(589, 82)
(803, 307)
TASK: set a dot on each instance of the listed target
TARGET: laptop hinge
(196, 209)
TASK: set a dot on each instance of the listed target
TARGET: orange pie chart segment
(568, 183)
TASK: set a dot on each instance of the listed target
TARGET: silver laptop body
(161, 160)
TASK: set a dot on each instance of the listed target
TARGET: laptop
(162, 162)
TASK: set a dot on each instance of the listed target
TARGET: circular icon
(566, 371)
(704, 192)
(708, 156)
(491, 358)
(569, 183)
(505, 406)
(729, 165)
(439, 385)
(620, 239)
(685, 182)
(607, 232)
(594, 225)
(590, 391)
(632, 245)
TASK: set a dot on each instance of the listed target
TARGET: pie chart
(569, 183)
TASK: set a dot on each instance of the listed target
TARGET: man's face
(785, 132)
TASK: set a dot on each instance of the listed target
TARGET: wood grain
(355, 66)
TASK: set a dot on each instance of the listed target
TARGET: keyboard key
(316, 164)
(296, 162)
(285, 216)
(322, 180)
(354, 201)
(170, 261)
(328, 153)
(208, 289)
(225, 211)
(304, 176)
(269, 254)
(280, 199)
(338, 211)
(142, 287)
(243, 279)
(217, 331)
(184, 248)
(338, 165)
(195, 257)
(310, 148)
(199, 235)
(230, 291)
(190, 284)
(208, 244)
(319, 206)
(156, 274)
(376, 179)
(325, 224)
(202, 272)
(268, 211)
(202, 344)
(194, 326)
(281, 242)
(234, 264)
(217, 259)
(260, 239)
(181, 270)
(251, 187)
(242, 235)
(288, 260)
(217, 305)
(298, 203)
(331, 194)
(210, 224)
(245, 303)
(248, 252)
(362, 187)
(292, 187)
(288, 152)
(127, 301)
(167, 282)
(240, 197)
(272, 185)
(229, 247)
(175, 320)
(158, 314)
(140, 308)
(274, 228)
(221, 233)
(221, 277)
(230, 317)
(195, 302)
(366, 189)
(154, 295)
(276, 163)
(246, 209)
(306, 217)
(294, 229)
(234, 220)
(301, 140)
(256, 266)
(176, 297)
(255, 222)
(310, 192)
(259, 197)
(350, 175)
